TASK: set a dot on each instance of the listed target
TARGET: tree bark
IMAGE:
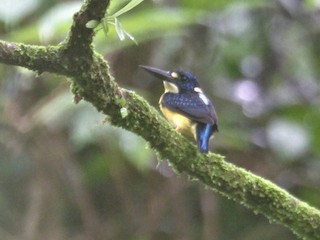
(89, 73)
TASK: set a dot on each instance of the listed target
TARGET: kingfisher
(186, 106)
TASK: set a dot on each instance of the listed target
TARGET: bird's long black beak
(161, 74)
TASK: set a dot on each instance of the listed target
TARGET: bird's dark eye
(183, 78)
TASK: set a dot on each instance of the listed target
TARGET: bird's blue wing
(192, 105)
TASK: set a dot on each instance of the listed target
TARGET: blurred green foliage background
(65, 174)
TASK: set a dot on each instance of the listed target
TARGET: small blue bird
(186, 106)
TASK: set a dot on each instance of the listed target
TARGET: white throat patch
(170, 87)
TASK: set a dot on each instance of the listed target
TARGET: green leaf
(105, 26)
(132, 4)
(119, 30)
(116, 6)
(121, 101)
(124, 112)
(130, 37)
(92, 24)
(145, 25)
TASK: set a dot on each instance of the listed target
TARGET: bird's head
(175, 81)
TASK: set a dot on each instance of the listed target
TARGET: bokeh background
(65, 174)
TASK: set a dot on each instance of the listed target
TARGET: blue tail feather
(204, 132)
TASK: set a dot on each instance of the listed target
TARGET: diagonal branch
(91, 80)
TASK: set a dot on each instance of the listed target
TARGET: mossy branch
(91, 80)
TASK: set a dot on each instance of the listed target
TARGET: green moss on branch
(91, 80)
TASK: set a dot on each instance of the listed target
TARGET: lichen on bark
(91, 80)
